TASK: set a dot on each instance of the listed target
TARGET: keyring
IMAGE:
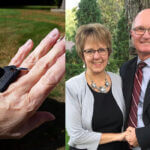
(9, 74)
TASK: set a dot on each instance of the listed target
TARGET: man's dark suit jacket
(127, 72)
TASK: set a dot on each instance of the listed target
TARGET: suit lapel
(129, 82)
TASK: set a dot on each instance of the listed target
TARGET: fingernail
(52, 117)
(53, 33)
(28, 42)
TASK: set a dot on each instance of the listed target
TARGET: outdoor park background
(116, 15)
(17, 25)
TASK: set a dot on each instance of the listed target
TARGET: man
(136, 85)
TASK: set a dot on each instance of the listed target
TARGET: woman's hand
(121, 136)
(19, 103)
(112, 137)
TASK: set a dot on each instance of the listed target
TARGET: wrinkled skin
(19, 103)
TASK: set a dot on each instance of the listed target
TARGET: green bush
(88, 12)
(74, 64)
(121, 41)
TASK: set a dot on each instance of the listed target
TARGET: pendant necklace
(101, 89)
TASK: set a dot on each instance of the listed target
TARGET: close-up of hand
(121, 136)
(131, 137)
(20, 101)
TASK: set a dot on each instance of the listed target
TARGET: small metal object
(21, 68)
(61, 37)
(8, 74)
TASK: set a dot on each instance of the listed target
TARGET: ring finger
(41, 49)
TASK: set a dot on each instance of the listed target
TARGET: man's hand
(131, 137)
(19, 103)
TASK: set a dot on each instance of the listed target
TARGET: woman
(95, 108)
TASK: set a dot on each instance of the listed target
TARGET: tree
(121, 41)
(74, 64)
(70, 24)
(133, 7)
(110, 12)
(88, 12)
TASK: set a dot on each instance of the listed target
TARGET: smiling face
(96, 63)
(142, 42)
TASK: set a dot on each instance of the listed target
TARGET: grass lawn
(67, 139)
(19, 25)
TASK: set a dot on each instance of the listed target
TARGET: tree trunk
(132, 7)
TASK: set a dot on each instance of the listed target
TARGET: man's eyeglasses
(101, 51)
(141, 30)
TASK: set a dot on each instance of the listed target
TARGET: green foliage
(70, 24)
(88, 12)
(110, 12)
(66, 141)
(112, 66)
(121, 41)
(74, 64)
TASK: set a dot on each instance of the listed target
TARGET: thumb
(35, 121)
(39, 118)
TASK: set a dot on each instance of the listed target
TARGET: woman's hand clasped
(19, 103)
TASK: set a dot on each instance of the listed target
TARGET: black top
(107, 117)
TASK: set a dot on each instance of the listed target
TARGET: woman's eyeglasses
(101, 51)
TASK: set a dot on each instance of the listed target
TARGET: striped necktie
(136, 95)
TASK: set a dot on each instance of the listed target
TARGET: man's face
(142, 41)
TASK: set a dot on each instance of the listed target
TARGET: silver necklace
(101, 89)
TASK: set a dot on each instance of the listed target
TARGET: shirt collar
(147, 61)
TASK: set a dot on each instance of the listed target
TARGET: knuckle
(45, 65)
(31, 59)
(29, 105)
(52, 80)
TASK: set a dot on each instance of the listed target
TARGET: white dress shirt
(145, 80)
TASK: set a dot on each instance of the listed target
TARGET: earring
(83, 65)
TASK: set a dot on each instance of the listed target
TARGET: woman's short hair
(94, 31)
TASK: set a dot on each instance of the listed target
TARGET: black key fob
(8, 75)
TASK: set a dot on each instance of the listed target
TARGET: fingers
(41, 49)
(129, 128)
(131, 137)
(47, 82)
(41, 67)
(35, 121)
(22, 53)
